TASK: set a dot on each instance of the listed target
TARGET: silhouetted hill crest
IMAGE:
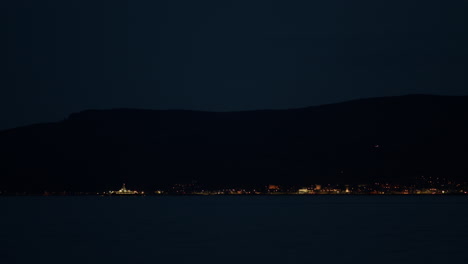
(95, 149)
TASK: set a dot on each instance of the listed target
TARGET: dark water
(234, 229)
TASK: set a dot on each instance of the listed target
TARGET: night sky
(64, 56)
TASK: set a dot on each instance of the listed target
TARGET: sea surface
(234, 229)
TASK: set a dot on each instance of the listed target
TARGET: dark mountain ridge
(387, 139)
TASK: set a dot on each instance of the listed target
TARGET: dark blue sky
(59, 57)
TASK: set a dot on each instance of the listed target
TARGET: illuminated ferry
(124, 191)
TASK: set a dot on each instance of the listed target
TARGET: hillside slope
(390, 138)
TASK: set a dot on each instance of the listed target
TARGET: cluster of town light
(315, 189)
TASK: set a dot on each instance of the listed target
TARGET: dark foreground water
(234, 229)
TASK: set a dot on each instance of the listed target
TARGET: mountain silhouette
(392, 139)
